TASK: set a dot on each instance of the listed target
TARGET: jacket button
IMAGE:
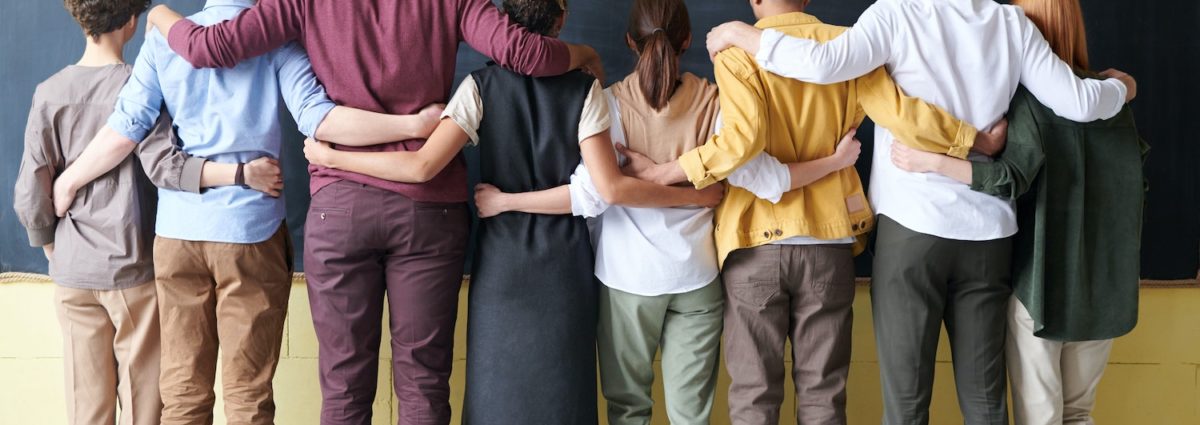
(767, 235)
(778, 232)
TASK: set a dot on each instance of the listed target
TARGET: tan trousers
(1053, 382)
(777, 292)
(110, 353)
(220, 295)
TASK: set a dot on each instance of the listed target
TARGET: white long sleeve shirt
(966, 56)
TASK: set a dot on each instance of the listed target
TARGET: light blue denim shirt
(226, 116)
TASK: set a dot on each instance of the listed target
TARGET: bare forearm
(402, 166)
(667, 173)
(957, 169)
(356, 127)
(555, 201)
(217, 174)
(637, 193)
(805, 173)
(107, 150)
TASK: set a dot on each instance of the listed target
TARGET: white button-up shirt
(966, 56)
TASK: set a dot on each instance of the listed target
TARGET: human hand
(64, 195)
(639, 165)
(992, 141)
(489, 200)
(848, 150)
(1130, 83)
(161, 17)
(711, 195)
(585, 58)
(915, 161)
(264, 175)
(428, 119)
(48, 249)
(732, 34)
(319, 153)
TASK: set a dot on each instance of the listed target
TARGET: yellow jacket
(797, 122)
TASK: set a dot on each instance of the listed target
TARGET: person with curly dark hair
(104, 295)
(100, 17)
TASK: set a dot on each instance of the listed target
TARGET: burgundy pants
(361, 244)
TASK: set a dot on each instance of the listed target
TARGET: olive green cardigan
(1080, 191)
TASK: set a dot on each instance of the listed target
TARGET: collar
(786, 19)
(236, 3)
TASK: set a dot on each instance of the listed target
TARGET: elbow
(610, 192)
(423, 172)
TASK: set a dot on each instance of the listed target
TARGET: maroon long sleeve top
(386, 56)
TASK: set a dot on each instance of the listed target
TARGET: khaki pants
(1053, 382)
(110, 353)
(220, 295)
(686, 326)
(777, 292)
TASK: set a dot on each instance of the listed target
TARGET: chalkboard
(1154, 41)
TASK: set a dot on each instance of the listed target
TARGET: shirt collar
(794, 18)
(237, 3)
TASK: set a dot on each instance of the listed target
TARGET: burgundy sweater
(390, 56)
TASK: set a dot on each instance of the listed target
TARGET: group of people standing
(661, 214)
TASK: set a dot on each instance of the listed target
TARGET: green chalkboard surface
(1155, 41)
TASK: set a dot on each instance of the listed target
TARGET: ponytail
(657, 69)
(659, 28)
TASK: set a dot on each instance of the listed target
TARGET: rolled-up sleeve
(764, 176)
(303, 94)
(585, 198)
(743, 132)
(165, 163)
(140, 101)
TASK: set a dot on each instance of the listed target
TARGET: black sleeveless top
(533, 300)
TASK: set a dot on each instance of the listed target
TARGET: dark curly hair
(537, 16)
(98, 17)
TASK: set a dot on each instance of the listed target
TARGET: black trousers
(921, 281)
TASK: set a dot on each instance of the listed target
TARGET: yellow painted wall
(1153, 376)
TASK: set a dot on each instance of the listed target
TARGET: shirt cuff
(964, 140)
(193, 167)
(41, 237)
(766, 47)
(128, 127)
(983, 176)
(1123, 92)
(314, 117)
(693, 167)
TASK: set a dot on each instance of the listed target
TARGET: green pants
(686, 326)
(922, 281)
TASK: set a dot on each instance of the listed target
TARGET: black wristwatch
(239, 178)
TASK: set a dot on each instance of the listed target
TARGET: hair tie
(656, 30)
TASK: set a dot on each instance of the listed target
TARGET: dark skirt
(531, 324)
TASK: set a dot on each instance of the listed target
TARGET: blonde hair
(1061, 22)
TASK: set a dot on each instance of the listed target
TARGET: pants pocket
(756, 293)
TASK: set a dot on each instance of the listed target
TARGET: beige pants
(1053, 382)
(110, 352)
(221, 295)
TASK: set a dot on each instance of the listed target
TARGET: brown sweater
(684, 123)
